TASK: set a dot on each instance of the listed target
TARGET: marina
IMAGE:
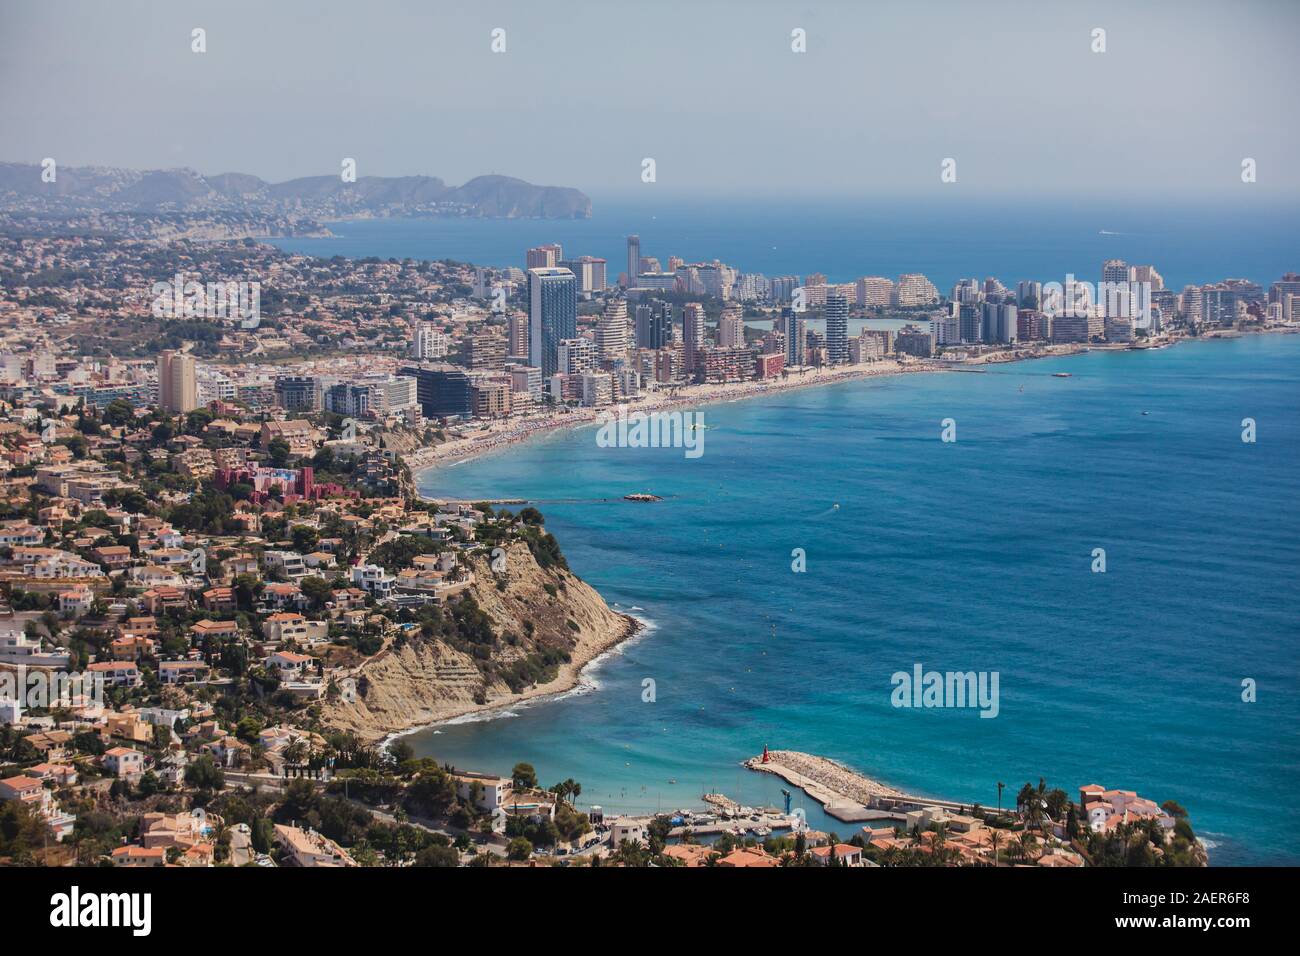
(843, 793)
(726, 816)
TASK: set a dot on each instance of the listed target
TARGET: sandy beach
(493, 436)
(496, 435)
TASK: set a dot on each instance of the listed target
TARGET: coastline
(496, 436)
(586, 653)
(499, 435)
(502, 436)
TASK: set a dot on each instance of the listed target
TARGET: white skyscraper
(731, 328)
(874, 291)
(428, 341)
(612, 332)
(916, 289)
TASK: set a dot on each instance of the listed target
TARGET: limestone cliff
(413, 683)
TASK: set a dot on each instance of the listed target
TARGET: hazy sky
(710, 90)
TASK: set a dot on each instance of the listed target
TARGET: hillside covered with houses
(254, 604)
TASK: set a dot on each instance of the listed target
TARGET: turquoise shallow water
(967, 556)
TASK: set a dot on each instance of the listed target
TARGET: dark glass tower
(633, 260)
(552, 317)
(837, 329)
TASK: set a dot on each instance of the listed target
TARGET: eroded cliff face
(427, 681)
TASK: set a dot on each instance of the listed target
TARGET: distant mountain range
(170, 191)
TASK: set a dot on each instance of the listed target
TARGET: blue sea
(974, 555)
(971, 555)
(1249, 238)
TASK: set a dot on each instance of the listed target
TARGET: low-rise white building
(123, 762)
(487, 790)
(625, 828)
(374, 579)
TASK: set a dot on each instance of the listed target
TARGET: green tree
(401, 751)
(248, 588)
(248, 728)
(277, 452)
(149, 784)
(202, 773)
(118, 412)
(263, 835)
(304, 538)
(524, 776)
(300, 802)
(438, 856)
(431, 793)
(317, 590)
(22, 832)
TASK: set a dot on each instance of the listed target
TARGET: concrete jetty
(843, 793)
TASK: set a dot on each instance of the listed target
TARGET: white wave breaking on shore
(587, 683)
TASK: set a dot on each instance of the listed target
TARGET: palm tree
(1027, 844)
(1058, 802)
(1030, 803)
(1044, 802)
(938, 843)
(567, 789)
(1023, 797)
(219, 833)
(1015, 850)
(295, 751)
